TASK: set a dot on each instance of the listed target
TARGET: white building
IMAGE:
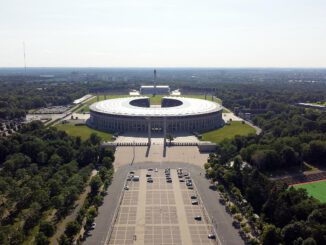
(155, 89)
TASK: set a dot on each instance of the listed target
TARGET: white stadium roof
(122, 106)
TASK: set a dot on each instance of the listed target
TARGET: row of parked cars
(168, 178)
(131, 177)
(149, 175)
(185, 177)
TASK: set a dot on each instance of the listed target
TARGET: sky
(168, 33)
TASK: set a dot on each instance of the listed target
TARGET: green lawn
(83, 131)
(155, 100)
(228, 132)
(315, 189)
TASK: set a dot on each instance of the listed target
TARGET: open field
(155, 100)
(83, 131)
(228, 132)
(316, 189)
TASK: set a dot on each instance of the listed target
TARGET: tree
(270, 235)
(293, 231)
(237, 163)
(64, 240)
(107, 162)
(95, 139)
(66, 153)
(32, 148)
(169, 137)
(41, 158)
(3, 152)
(72, 229)
(103, 173)
(55, 159)
(266, 159)
(95, 184)
(309, 241)
(41, 239)
(86, 155)
(289, 156)
(47, 228)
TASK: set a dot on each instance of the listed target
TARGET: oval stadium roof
(122, 106)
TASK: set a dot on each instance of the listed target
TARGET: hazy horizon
(164, 34)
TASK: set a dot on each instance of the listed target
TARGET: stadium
(175, 114)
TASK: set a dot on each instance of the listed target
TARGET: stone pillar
(149, 131)
(164, 131)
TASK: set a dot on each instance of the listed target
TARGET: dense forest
(291, 137)
(43, 171)
(291, 134)
(16, 98)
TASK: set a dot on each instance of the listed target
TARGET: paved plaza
(132, 155)
(160, 213)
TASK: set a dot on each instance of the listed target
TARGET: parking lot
(159, 209)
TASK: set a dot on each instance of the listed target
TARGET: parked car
(135, 178)
(126, 188)
(222, 201)
(93, 226)
(198, 217)
(211, 236)
(193, 197)
(169, 180)
(194, 202)
(236, 224)
(148, 175)
(181, 180)
(150, 180)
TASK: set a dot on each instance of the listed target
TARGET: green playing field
(315, 189)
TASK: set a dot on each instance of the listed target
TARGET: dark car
(197, 217)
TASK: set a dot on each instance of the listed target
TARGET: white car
(194, 202)
(126, 188)
(156, 170)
